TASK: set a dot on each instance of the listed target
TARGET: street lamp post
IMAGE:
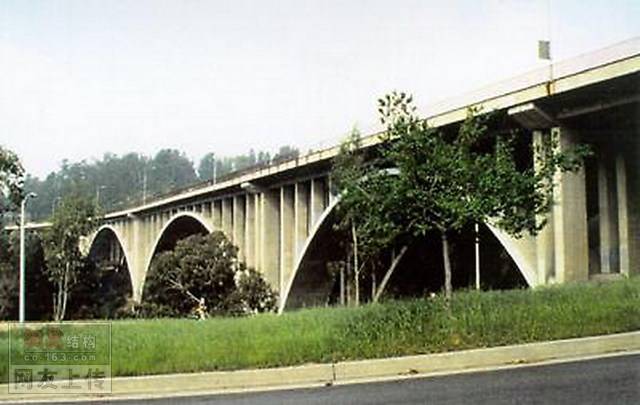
(22, 255)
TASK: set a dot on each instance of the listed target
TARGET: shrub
(204, 268)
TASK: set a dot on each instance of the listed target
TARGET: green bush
(203, 269)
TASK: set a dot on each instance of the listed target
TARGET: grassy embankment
(478, 319)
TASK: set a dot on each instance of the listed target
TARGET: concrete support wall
(608, 214)
(302, 202)
(137, 266)
(227, 218)
(623, 213)
(270, 235)
(239, 206)
(545, 263)
(317, 200)
(217, 215)
(287, 234)
(628, 195)
(250, 231)
(257, 236)
(571, 245)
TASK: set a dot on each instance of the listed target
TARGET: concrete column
(287, 241)
(301, 215)
(628, 218)
(210, 211)
(138, 255)
(257, 234)
(165, 217)
(329, 191)
(217, 215)
(147, 229)
(270, 236)
(227, 218)
(570, 218)
(607, 214)
(633, 200)
(623, 213)
(239, 225)
(544, 239)
(317, 200)
(250, 230)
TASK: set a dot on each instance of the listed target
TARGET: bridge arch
(106, 231)
(322, 225)
(179, 226)
(519, 250)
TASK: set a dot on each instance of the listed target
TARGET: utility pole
(22, 255)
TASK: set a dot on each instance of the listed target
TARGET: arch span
(307, 271)
(317, 280)
(179, 226)
(101, 233)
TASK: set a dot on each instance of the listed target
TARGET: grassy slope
(389, 329)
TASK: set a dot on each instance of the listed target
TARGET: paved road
(613, 380)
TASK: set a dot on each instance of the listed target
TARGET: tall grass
(476, 319)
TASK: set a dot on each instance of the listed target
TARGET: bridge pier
(269, 237)
(239, 224)
(571, 244)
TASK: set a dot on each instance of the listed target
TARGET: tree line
(118, 181)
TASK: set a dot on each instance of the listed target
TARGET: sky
(82, 78)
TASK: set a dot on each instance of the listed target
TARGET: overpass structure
(280, 216)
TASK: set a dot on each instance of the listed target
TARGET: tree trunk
(57, 301)
(390, 271)
(65, 294)
(447, 267)
(342, 287)
(373, 285)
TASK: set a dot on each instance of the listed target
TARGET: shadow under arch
(310, 283)
(180, 226)
(96, 245)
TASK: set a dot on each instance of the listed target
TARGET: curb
(312, 375)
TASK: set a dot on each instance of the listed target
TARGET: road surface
(611, 380)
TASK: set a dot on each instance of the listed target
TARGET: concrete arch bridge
(280, 216)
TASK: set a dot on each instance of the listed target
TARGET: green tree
(285, 153)
(357, 173)
(204, 268)
(169, 169)
(11, 180)
(445, 180)
(74, 219)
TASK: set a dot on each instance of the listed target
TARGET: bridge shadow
(106, 283)
(419, 273)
